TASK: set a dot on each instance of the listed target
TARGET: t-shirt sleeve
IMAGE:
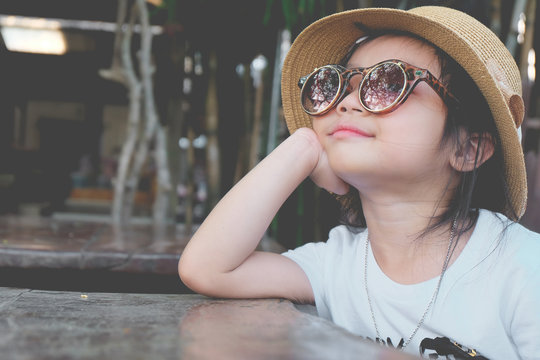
(524, 299)
(525, 326)
(311, 258)
(323, 263)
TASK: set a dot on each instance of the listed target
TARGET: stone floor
(38, 324)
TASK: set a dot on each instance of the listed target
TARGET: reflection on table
(58, 324)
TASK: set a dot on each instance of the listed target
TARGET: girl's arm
(220, 260)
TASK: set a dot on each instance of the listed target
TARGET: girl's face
(399, 151)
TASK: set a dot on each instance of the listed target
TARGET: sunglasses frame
(411, 73)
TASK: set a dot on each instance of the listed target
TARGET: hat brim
(327, 41)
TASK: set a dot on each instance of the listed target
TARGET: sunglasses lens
(383, 87)
(320, 90)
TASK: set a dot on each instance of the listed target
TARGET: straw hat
(475, 47)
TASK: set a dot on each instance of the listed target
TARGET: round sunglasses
(384, 86)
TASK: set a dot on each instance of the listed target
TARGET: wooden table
(61, 254)
(36, 324)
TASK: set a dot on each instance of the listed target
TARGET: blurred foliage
(296, 12)
(169, 6)
(295, 15)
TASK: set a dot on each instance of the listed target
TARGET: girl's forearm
(235, 226)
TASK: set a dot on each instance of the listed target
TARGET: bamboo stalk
(212, 122)
(528, 45)
(161, 201)
(496, 17)
(153, 128)
(365, 3)
(116, 72)
(190, 184)
(258, 65)
(175, 119)
(135, 91)
(512, 39)
(282, 47)
(242, 163)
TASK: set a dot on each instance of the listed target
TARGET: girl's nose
(351, 101)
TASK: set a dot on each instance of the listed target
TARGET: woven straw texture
(476, 48)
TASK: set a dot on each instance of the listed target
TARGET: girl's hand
(322, 174)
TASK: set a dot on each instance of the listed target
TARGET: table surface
(72, 325)
(28, 242)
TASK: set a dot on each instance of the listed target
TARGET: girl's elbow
(187, 274)
(193, 277)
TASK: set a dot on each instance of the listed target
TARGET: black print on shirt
(388, 343)
(438, 348)
(443, 346)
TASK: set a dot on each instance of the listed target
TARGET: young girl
(411, 118)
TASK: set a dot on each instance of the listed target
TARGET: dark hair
(484, 187)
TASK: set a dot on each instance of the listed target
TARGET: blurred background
(115, 111)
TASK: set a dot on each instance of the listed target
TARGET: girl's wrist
(305, 148)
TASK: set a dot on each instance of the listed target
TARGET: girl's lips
(348, 131)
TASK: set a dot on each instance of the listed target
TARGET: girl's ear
(466, 158)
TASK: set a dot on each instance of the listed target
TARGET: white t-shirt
(488, 303)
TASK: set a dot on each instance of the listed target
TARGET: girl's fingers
(322, 173)
(324, 177)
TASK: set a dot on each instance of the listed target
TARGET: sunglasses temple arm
(440, 89)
